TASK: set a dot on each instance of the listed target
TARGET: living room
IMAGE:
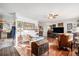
(42, 29)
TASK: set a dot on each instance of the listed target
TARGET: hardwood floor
(7, 48)
(9, 51)
(55, 51)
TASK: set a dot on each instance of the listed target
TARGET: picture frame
(60, 24)
(28, 26)
(69, 26)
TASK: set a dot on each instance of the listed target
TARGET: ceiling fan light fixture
(52, 15)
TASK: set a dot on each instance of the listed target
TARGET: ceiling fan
(52, 15)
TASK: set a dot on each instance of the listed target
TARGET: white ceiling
(40, 11)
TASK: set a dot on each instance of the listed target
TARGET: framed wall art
(69, 26)
(28, 26)
(60, 24)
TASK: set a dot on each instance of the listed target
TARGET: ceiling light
(52, 15)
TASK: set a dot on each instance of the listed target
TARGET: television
(58, 30)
